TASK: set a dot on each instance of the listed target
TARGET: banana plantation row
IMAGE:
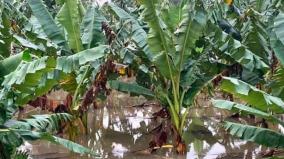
(174, 49)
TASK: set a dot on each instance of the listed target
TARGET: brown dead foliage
(162, 133)
(99, 85)
(109, 33)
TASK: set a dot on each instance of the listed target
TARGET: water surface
(119, 130)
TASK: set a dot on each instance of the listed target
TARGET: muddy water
(118, 130)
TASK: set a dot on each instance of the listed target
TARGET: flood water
(118, 130)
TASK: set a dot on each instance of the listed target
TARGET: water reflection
(118, 130)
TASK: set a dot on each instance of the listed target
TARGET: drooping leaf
(46, 122)
(31, 79)
(236, 50)
(258, 135)
(37, 77)
(40, 127)
(278, 47)
(70, 145)
(131, 88)
(68, 64)
(257, 40)
(26, 43)
(8, 137)
(194, 79)
(139, 35)
(47, 22)
(236, 107)
(277, 84)
(253, 96)
(19, 75)
(35, 27)
(10, 64)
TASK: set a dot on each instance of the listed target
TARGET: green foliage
(91, 27)
(71, 63)
(39, 127)
(29, 75)
(159, 40)
(132, 88)
(277, 83)
(236, 107)
(72, 146)
(236, 50)
(42, 123)
(10, 64)
(260, 104)
(179, 47)
(189, 48)
(69, 17)
(278, 25)
(35, 78)
(47, 22)
(32, 72)
(258, 135)
(138, 34)
(5, 44)
(31, 79)
(253, 96)
(189, 31)
(277, 37)
(194, 77)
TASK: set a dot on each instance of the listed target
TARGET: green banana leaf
(189, 31)
(5, 43)
(91, 27)
(48, 24)
(258, 135)
(253, 96)
(236, 107)
(132, 88)
(70, 63)
(240, 53)
(139, 35)
(277, 37)
(278, 26)
(10, 64)
(159, 39)
(70, 19)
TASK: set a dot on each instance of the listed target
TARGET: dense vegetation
(174, 48)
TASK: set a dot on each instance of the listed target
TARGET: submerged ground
(120, 129)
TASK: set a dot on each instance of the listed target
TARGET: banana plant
(49, 51)
(257, 103)
(183, 49)
(73, 30)
(14, 132)
(170, 50)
